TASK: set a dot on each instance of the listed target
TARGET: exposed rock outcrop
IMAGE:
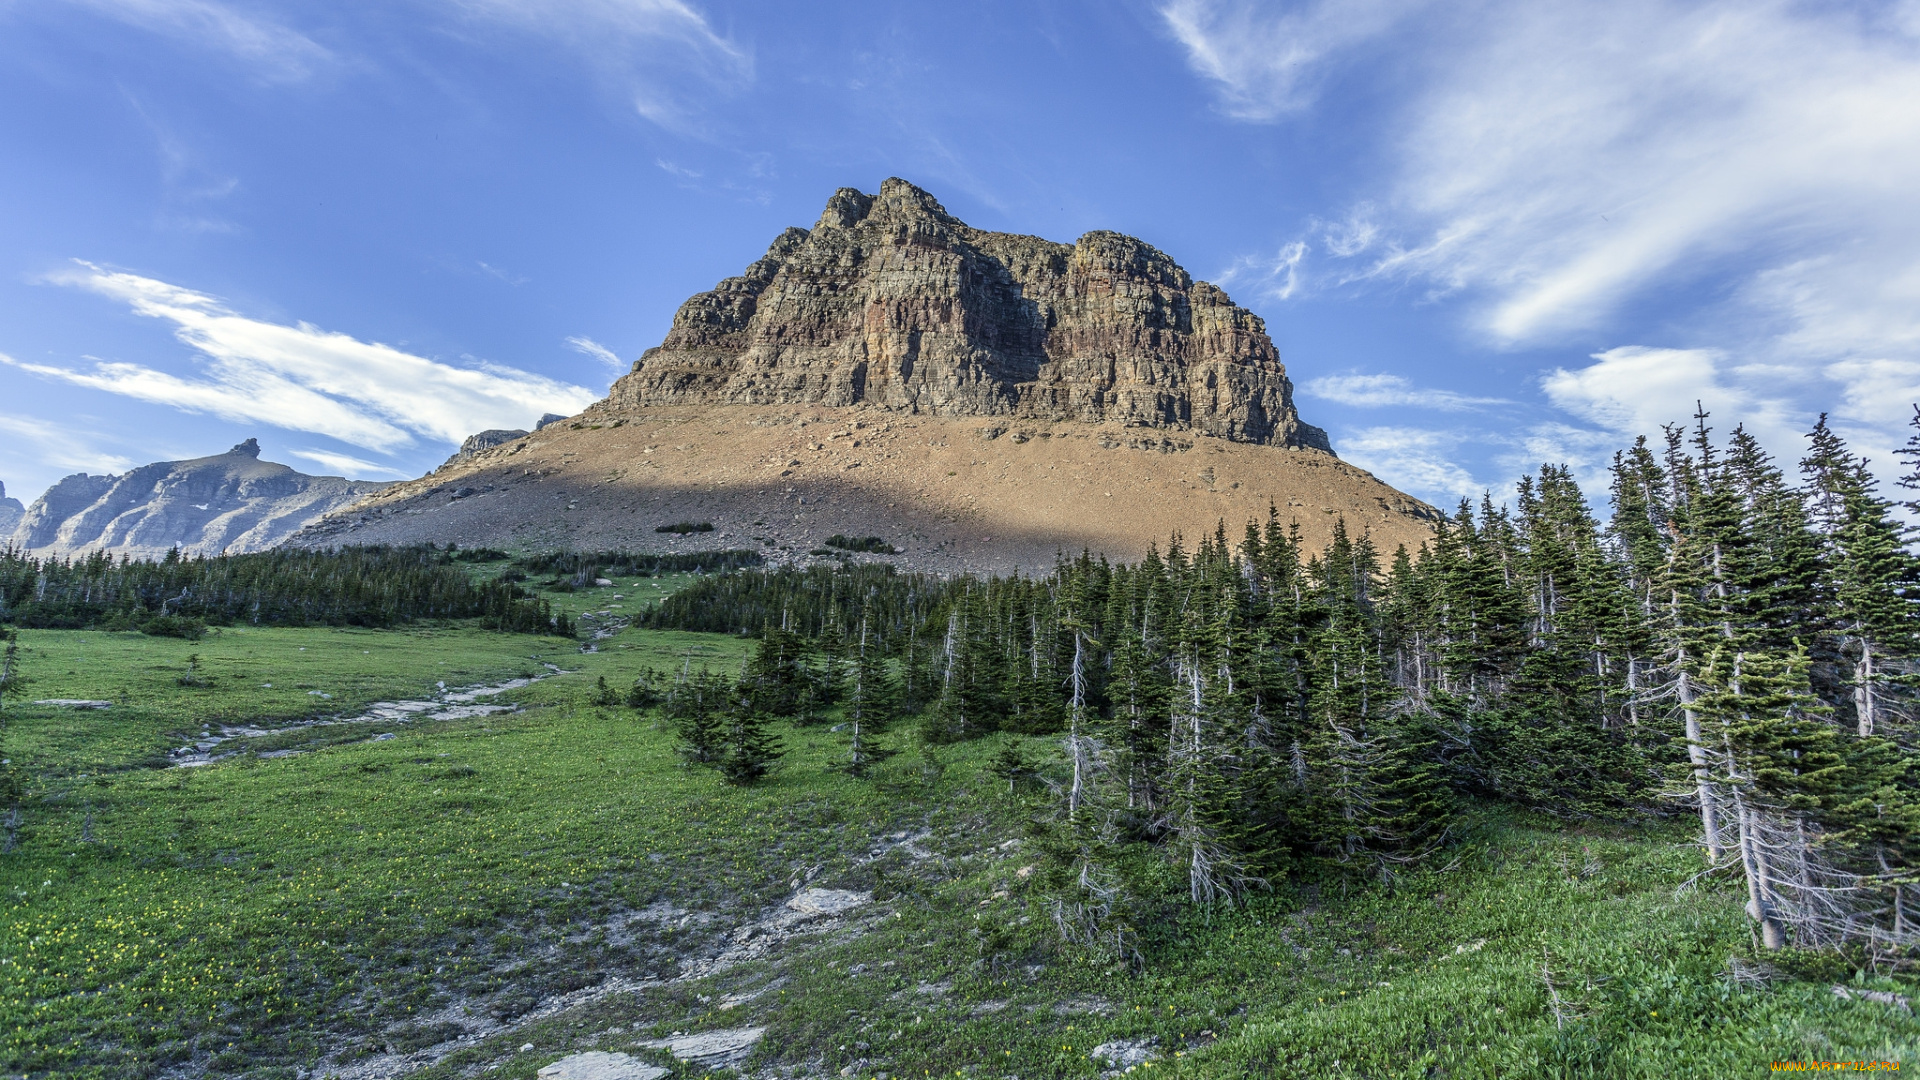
(11, 511)
(492, 437)
(231, 503)
(484, 440)
(891, 301)
(981, 401)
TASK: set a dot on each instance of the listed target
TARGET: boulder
(600, 1065)
(713, 1049)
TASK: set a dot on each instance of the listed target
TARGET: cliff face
(890, 301)
(231, 503)
(10, 512)
(982, 401)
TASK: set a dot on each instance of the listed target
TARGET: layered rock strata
(981, 401)
(890, 301)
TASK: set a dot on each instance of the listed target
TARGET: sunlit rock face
(227, 503)
(891, 301)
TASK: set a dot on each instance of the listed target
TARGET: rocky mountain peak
(11, 511)
(231, 502)
(891, 301)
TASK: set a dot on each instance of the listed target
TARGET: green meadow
(481, 896)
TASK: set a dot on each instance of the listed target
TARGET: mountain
(492, 437)
(980, 399)
(11, 511)
(231, 502)
(890, 301)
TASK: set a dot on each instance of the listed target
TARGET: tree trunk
(1076, 748)
(1863, 702)
(1753, 863)
(1697, 756)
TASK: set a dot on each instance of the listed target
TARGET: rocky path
(457, 704)
(809, 913)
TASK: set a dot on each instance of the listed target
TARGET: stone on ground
(601, 1065)
(827, 901)
(713, 1048)
(1125, 1053)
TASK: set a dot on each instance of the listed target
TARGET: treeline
(813, 602)
(355, 586)
(1726, 642)
(581, 567)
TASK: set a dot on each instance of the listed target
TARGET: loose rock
(713, 1048)
(601, 1065)
(827, 901)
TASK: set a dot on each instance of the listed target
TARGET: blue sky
(1484, 234)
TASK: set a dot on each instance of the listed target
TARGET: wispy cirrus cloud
(1375, 391)
(1423, 461)
(586, 346)
(346, 464)
(274, 52)
(663, 56)
(1558, 169)
(303, 378)
(57, 444)
(1276, 276)
(1266, 61)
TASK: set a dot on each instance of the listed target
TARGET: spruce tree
(1875, 586)
(698, 708)
(750, 746)
(869, 701)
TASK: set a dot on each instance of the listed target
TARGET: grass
(376, 897)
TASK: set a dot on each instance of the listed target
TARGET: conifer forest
(1591, 783)
(1729, 642)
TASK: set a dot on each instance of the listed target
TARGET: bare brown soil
(955, 495)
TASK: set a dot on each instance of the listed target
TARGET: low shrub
(871, 544)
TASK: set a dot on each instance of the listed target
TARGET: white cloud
(275, 52)
(1278, 277)
(589, 347)
(1633, 391)
(345, 464)
(57, 444)
(1374, 391)
(1265, 66)
(304, 378)
(1345, 239)
(1417, 460)
(662, 55)
(498, 274)
(1567, 158)
(1557, 168)
(1561, 159)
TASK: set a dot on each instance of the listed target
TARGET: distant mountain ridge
(226, 503)
(11, 511)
